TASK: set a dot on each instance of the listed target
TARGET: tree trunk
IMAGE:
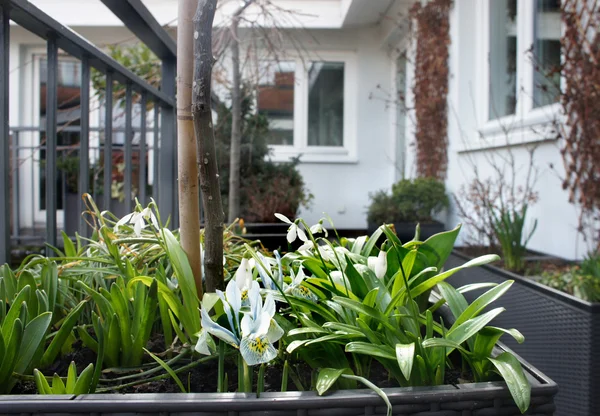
(205, 140)
(189, 207)
(236, 126)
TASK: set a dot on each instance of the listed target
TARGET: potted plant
(328, 316)
(411, 202)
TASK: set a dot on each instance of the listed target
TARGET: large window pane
(276, 100)
(547, 52)
(326, 104)
(503, 58)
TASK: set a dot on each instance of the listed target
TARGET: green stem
(247, 377)
(284, 376)
(221, 368)
(260, 383)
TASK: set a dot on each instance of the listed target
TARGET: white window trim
(529, 123)
(322, 154)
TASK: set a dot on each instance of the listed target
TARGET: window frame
(321, 154)
(526, 118)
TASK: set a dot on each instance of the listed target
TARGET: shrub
(417, 200)
(581, 280)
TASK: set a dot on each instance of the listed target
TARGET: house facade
(334, 103)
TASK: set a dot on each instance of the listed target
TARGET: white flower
(378, 264)
(318, 228)
(293, 230)
(271, 279)
(243, 279)
(139, 220)
(254, 335)
(296, 288)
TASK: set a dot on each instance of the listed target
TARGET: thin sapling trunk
(189, 206)
(205, 140)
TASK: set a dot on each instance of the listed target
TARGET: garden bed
(561, 333)
(448, 400)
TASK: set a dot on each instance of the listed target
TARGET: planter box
(406, 230)
(466, 399)
(562, 333)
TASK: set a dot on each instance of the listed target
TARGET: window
(503, 58)
(326, 104)
(310, 105)
(520, 58)
(547, 52)
(276, 101)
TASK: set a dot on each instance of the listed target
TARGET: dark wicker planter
(406, 230)
(466, 399)
(562, 333)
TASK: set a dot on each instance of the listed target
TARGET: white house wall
(557, 219)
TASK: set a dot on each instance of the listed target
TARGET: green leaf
(71, 377)
(405, 354)
(373, 387)
(58, 386)
(83, 384)
(512, 372)
(33, 336)
(61, 336)
(41, 383)
(169, 370)
(482, 301)
(13, 344)
(438, 247)
(370, 244)
(363, 309)
(327, 377)
(366, 348)
(357, 283)
(467, 329)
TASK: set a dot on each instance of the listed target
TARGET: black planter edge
(542, 386)
(593, 308)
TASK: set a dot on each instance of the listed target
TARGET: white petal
(234, 296)
(247, 325)
(255, 300)
(257, 350)
(371, 262)
(202, 344)
(124, 220)
(302, 234)
(262, 326)
(291, 234)
(137, 228)
(283, 218)
(275, 332)
(217, 330)
(243, 276)
(269, 306)
(381, 265)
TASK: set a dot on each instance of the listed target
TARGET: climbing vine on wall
(430, 88)
(580, 99)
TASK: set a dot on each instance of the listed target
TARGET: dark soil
(535, 263)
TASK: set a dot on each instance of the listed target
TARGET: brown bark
(189, 207)
(205, 140)
(236, 126)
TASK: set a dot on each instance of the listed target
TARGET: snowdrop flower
(318, 228)
(139, 220)
(254, 335)
(378, 264)
(293, 230)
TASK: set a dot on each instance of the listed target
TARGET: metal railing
(140, 21)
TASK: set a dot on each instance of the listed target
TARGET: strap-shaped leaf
(33, 336)
(467, 329)
(327, 378)
(84, 381)
(405, 354)
(41, 383)
(61, 336)
(482, 301)
(382, 351)
(510, 369)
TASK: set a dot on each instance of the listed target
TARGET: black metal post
(166, 180)
(108, 102)
(128, 147)
(4, 136)
(143, 180)
(155, 148)
(84, 143)
(15, 185)
(50, 146)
